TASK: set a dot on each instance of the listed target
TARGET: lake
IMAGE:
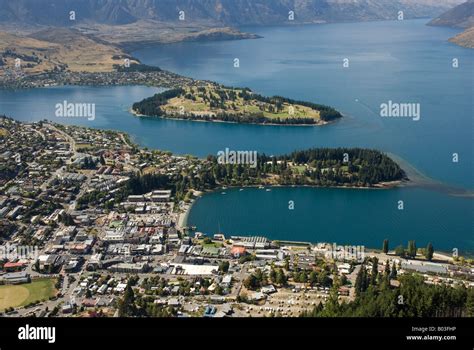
(342, 216)
(400, 61)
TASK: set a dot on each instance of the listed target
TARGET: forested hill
(212, 102)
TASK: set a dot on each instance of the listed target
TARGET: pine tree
(375, 271)
(429, 252)
(127, 304)
(361, 282)
(387, 268)
(385, 246)
(411, 249)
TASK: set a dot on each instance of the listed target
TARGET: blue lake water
(342, 216)
(403, 61)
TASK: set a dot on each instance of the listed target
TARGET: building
(15, 278)
(161, 196)
(268, 289)
(238, 251)
(129, 267)
(49, 262)
(114, 236)
(13, 266)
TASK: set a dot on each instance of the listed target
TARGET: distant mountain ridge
(221, 12)
(461, 16)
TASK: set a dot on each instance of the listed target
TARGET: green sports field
(23, 294)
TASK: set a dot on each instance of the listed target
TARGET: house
(344, 268)
(227, 280)
(219, 237)
(89, 302)
(13, 266)
(344, 291)
(66, 309)
(257, 296)
(238, 251)
(174, 302)
(120, 288)
(136, 198)
(268, 289)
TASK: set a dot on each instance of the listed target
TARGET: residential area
(82, 236)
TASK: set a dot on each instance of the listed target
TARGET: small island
(206, 101)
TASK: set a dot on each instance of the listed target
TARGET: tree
(273, 275)
(470, 302)
(429, 252)
(400, 251)
(281, 278)
(224, 266)
(385, 246)
(375, 271)
(361, 282)
(127, 303)
(324, 279)
(393, 272)
(313, 278)
(411, 251)
(387, 268)
(251, 282)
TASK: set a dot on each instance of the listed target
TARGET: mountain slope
(465, 39)
(461, 16)
(58, 49)
(222, 12)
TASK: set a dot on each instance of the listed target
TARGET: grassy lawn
(83, 145)
(20, 295)
(299, 169)
(3, 132)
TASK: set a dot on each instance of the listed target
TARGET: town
(83, 235)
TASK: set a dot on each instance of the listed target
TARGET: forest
(376, 297)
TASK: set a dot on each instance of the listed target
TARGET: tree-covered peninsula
(324, 167)
(207, 101)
